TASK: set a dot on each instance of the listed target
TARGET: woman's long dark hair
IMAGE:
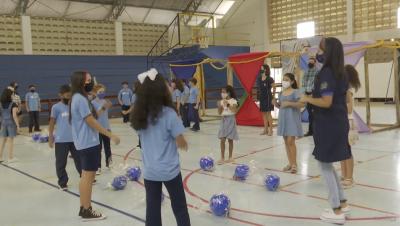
(352, 76)
(292, 79)
(334, 56)
(6, 96)
(151, 97)
(78, 80)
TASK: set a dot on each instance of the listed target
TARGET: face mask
(65, 101)
(224, 95)
(32, 90)
(89, 86)
(286, 84)
(320, 58)
(310, 65)
(101, 95)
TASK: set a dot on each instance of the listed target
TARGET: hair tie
(151, 74)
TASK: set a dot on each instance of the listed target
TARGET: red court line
(376, 187)
(291, 184)
(394, 216)
(284, 216)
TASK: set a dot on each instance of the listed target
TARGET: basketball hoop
(203, 42)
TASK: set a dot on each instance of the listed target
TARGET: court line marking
(73, 193)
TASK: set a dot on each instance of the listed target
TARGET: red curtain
(249, 114)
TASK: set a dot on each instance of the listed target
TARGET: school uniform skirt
(228, 128)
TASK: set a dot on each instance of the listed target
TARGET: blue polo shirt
(176, 95)
(33, 101)
(194, 92)
(125, 96)
(83, 135)
(103, 117)
(159, 151)
(60, 113)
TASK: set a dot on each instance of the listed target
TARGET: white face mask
(224, 95)
(286, 84)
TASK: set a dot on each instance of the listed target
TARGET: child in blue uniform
(177, 92)
(85, 134)
(289, 119)
(184, 104)
(194, 103)
(161, 134)
(32, 104)
(331, 124)
(102, 107)
(124, 99)
(62, 138)
(136, 86)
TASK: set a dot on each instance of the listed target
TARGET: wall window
(306, 29)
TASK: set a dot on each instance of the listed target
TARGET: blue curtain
(185, 72)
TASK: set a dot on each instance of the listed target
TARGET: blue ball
(272, 182)
(133, 173)
(220, 205)
(119, 182)
(207, 163)
(36, 137)
(242, 172)
(44, 139)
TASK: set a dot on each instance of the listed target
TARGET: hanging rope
(212, 62)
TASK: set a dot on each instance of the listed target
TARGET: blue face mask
(101, 95)
(320, 58)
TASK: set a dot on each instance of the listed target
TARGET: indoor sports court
(199, 112)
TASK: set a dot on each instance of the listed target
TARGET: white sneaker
(98, 172)
(13, 160)
(330, 217)
(346, 210)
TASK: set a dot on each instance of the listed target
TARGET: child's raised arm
(233, 107)
(220, 107)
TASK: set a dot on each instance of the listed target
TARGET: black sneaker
(91, 215)
(195, 130)
(94, 182)
(308, 134)
(80, 211)
(64, 188)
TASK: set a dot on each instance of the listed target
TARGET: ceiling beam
(116, 10)
(192, 8)
(66, 9)
(102, 2)
(22, 6)
(148, 11)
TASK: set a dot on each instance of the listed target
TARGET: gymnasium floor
(29, 195)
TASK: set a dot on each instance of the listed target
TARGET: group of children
(159, 112)
(187, 101)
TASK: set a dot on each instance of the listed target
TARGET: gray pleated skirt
(227, 128)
